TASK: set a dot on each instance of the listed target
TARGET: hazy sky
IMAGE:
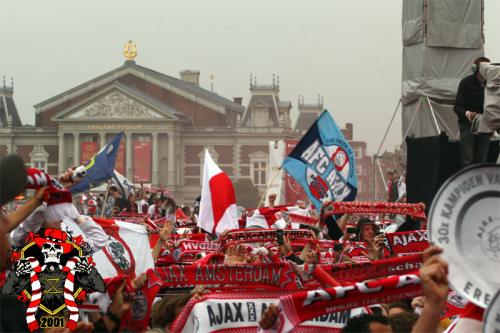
(349, 51)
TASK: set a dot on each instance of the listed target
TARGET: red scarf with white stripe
(406, 242)
(299, 307)
(280, 276)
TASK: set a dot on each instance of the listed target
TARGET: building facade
(167, 122)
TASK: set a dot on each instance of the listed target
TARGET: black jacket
(470, 97)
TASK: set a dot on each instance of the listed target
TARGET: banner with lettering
(323, 163)
(350, 272)
(280, 276)
(263, 235)
(88, 149)
(406, 242)
(142, 162)
(301, 306)
(227, 312)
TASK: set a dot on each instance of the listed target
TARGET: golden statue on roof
(130, 50)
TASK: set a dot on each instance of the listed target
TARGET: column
(128, 156)
(171, 159)
(236, 160)
(154, 178)
(76, 150)
(102, 138)
(61, 156)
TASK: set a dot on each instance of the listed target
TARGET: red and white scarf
(280, 276)
(36, 294)
(299, 307)
(241, 312)
(366, 207)
(349, 272)
(69, 286)
(263, 235)
(406, 242)
(265, 217)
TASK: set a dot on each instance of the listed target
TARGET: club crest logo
(489, 235)
(118, 252)
(51, 274)
(330, 183)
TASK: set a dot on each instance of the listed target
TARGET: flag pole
(105, 198)
(268, 186)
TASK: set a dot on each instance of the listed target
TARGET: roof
(269, 100)
(8, 110)
(305, 120)
(133, 92)
(130, 67)
(199, 91)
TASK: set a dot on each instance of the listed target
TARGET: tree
(247, 195)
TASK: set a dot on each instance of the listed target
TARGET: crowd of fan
(417, 315)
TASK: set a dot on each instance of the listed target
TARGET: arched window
(39, 158)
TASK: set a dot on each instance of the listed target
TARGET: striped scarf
(69, 286)
(36, 294)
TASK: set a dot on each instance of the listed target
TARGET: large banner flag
(218, 201)
(100, 168)
(323, 163)
(127, 251)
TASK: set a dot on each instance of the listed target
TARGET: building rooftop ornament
(130, 51)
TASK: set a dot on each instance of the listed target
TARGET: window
(39, 164)
(258, 168)
(259, 173)
(359, 170)
(358, 152)
(360, 186)
(39, 158)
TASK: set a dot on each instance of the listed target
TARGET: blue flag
(100, 168)
(323, 163)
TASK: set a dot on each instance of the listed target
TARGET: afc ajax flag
(127, 251)
(218, 201)
(323, 163)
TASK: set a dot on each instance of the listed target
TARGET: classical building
(167, 122)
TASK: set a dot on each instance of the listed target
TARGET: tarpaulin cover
(423, 125)
(441, 39)
(434, 72)
(454, 23)
(413, 28)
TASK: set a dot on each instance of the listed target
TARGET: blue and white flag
(323, 163)
(125, 186)
(100, 168)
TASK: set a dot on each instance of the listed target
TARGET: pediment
(260, 105)
(116, 104)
